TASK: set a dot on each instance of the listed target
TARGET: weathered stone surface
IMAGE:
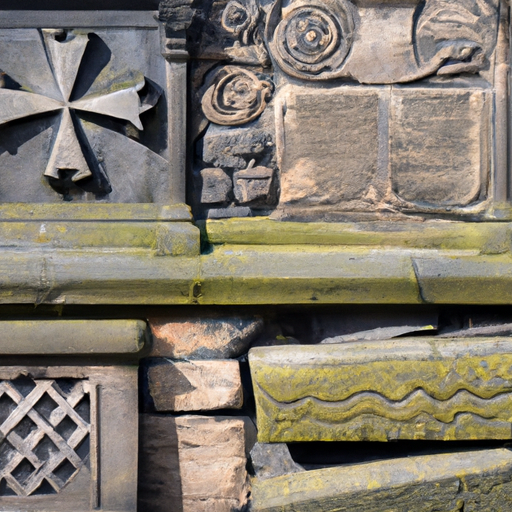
(216, 186)
(196, 386)
(69, 438)
(417, 388)
(78, 134)
(272, 460)
(445, 132)
(331, 145)
(71, 337)
(194, 463)
(253, 185)
(234, 147)
(203, 338)
(474, 481)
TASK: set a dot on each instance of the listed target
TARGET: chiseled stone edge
(71, 337)
(425, 483)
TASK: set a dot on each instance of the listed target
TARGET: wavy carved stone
(422, 388)
(236, 97)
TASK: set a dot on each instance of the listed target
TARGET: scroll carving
(463, 34)
(237, 96)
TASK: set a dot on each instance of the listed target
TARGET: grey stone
(235, 147)
(227, 213)
(89, 89)
(216, 186)
(271, 460)
(71, 337)
(70, 438)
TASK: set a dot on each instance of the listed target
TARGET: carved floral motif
(237, 96)
(313, 38)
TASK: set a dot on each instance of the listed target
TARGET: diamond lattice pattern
(44, 434)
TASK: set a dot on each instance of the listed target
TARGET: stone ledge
(473, 481)
(251, 275)
(71, 337)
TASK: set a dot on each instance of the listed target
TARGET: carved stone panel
(67, 436)
(84, 108)
(358, 108)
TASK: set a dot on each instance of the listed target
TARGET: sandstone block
(440, 145)
(331, 150)
(474, 481)
(417, 388)
(194, 463)
(203, 338)
(196, 386)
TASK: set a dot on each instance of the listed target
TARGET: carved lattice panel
(44, 434)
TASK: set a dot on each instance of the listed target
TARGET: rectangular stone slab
(409, 388)
(71, 337)
(195, 385)
(474, 481)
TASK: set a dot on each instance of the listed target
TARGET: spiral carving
(236, 97)
(241, 19)
(312, 40)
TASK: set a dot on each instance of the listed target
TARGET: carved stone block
(379, 109)
(69, 438)
(418, 388)
(447, 132)
(331, 145)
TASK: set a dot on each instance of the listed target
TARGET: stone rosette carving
(237, 96)
(313, 38)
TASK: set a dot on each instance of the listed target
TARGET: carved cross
(120, 101)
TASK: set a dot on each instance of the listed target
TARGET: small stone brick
(196, 386)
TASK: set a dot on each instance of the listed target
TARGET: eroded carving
(329, 146)
(313, 38)
(243, 21)
(461, 34)
(71, 153)
(44, 428)
(236, 97)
